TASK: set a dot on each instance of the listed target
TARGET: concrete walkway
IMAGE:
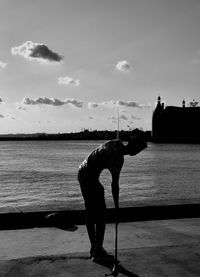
(169, 248)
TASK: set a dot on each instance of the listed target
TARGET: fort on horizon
(176, 122)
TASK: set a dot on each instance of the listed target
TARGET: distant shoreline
(96, 135)
(83, 135)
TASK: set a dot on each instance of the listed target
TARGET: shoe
(92, 250)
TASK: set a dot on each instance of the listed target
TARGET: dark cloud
(42, 51)
(21, 108)
(93, 105)
(2, 116)
(131, 104)
(123, 117)
(36, 51)
(52, 101)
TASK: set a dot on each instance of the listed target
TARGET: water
(43, 174)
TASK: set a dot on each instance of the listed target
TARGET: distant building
(176, 122)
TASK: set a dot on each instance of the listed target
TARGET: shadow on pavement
(55, 220)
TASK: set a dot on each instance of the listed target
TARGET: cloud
(90, 117)
(1, 101)
(108, 104)
(10, 116)
(147, 105)
(36, 51)
(114, 104)
(3, 64)
(21, 108)
(123, 66)
(133, 117)
(93, 105)
(115, 119)
(131, 104)
(52, 101)
(2, 116)
(68, 81)
(123, 117)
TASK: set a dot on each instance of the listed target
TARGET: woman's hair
(137, 144)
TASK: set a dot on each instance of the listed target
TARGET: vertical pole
(116, 239)
(117, 120)
(115, 267)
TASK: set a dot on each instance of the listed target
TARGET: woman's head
(135, 145)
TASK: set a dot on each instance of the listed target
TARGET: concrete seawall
(155, 211)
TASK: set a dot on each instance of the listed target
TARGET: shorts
(93, 195)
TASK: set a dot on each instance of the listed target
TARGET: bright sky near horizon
(66, 65)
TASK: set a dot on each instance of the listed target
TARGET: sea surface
(42, 175)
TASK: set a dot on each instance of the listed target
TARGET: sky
(69, 65)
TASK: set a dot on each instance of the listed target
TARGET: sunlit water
(43, 174)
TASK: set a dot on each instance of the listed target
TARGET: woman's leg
(90, 225)
(100, 232)
(100, 221)
(91, 230)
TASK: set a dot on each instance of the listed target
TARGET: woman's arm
(115, 188)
